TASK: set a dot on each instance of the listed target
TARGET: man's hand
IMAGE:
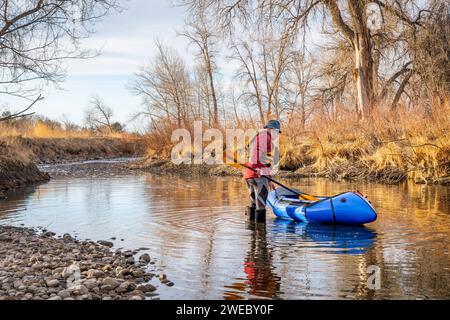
(272, 186)
(264, 171)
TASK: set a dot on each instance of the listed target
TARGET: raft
(348, 208)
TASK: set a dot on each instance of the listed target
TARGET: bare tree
(301, 76)
(165, 87)
(200, 33)
(37, 35)
(98, 115)
(348, 18)
(22, 113)
(248, 74)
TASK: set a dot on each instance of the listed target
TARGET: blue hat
(273, 124)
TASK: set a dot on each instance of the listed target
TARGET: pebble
(113, 283)
(36, 265)
(146, 288)
(106, 243)
(52, 283)
(91, 284)
(145, 258)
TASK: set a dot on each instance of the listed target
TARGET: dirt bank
(57, 150)
(19, 156)
(356, 171)
(37, 266)
(15, 173)
(167, 167)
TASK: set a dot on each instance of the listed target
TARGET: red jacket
(260, 149)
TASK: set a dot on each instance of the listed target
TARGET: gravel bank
(93, 169)
(36, 265)
(165, 167)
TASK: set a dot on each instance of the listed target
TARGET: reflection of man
(260, 151)
(258, 266)
(260, 280)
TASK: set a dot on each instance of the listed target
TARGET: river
(196, 230)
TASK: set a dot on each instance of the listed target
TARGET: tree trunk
(359, 37)
(362, 75)
(213, 91)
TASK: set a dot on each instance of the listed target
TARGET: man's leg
(262, 192)
(251, 210)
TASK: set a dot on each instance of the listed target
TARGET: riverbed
(196, 231)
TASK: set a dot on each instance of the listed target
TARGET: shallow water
(198, 235)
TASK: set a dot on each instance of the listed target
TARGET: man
(260, 153)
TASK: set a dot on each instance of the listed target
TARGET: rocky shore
(157, 166)
(36, 265)
(352, 172)
(104, 168)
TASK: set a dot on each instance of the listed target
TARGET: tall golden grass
(47, 141)
(389, 146)
(49, 129)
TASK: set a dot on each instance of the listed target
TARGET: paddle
(301, 195)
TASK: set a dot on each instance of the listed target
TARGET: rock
(64, 294)
(114, 283)
(80, 290)
(107, 268)
(94, 273)
(91, 284)
(52, 283)
(118, 270)
(126, 287)
(146, 288)
(108, 244)
(162, 277)
(36, 267)
(121, 272)
(48, 234)
(145, 258)
(106, 288)
(67, 236)
(151, 294)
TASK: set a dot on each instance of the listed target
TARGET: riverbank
(35, 265)
(352, 171)
(20, 156)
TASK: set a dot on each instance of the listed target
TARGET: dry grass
(388, 147)
(47, 141)
(49, 129)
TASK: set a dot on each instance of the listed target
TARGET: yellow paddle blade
(234, 165)
(308, 197)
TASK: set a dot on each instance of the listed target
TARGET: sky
(126, 41)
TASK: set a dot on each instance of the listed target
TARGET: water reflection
(198, 233)
(261, 279)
